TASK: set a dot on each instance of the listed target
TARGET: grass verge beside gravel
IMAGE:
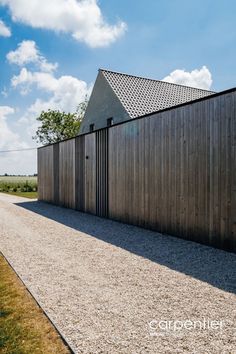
(24, 329)
(30, 195)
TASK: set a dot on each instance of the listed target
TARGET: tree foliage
(56, 126)
(82, 108)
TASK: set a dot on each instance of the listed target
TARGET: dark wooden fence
(173, 171)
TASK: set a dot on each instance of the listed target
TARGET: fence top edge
(221, 93)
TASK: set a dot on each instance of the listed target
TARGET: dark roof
(141, 96)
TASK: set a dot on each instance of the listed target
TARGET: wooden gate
(102, 173)
(90, 173)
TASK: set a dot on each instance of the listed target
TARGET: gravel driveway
(102, 282)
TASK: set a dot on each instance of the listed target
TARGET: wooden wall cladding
(56, 185)
(80, 173)
(45, 174)
(102, 173)
(90, 173)
(67, 173)
(174, 172)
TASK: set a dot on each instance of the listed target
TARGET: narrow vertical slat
(102, 173)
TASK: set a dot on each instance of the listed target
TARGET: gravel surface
(102, 282)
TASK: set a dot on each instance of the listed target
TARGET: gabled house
(118, 97)
(151, 154)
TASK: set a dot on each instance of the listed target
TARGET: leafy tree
(82, 108)
(56, 126)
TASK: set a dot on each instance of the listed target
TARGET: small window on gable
(109, 122)
(91, 128)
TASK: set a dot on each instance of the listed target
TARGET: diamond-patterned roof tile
(141, 96)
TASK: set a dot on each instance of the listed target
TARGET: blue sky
(151, 38)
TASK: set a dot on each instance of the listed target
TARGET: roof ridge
(147, 78)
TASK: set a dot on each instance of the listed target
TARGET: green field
(24, 186)
(17, 179)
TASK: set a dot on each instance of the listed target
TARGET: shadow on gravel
(210, 265)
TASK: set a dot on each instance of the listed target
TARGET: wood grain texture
(67, 173)
(90, 173)
(56, 182)
(174, 172)
(80, 173)
(45, 174)
(102, 173)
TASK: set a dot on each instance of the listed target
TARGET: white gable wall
(103, 104)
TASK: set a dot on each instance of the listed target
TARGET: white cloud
(26, 53)
(6, 135)
(14, 162)
(200, 78)
(26, 78)
(62, 93)
(4, 30)
(82, 19)
(66, 92)
(4, 92)
(66, 96)
(8, 139)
